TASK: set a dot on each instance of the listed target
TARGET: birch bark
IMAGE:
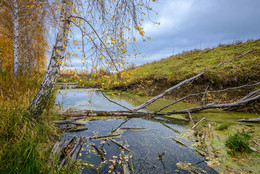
(40, 100)
(15, 20)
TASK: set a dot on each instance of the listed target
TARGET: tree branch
(165, 92)
(210, 106)
(113, 101)
(223, 90)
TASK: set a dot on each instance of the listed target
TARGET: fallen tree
(252, 120)
(252, 96)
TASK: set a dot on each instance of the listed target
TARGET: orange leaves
(141, 33)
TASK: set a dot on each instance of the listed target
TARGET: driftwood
(165, 125)
(104, 137)
(252, 120)
(73, 153)
(182, 144)
(59, 148)
(71, 121)
(244, 100)
(101, 152)
(193, 127)
(114, 130)
(75, 129)
(132, 128)
(69, 148)
(78, 113)
(120, 145)
(191, 118)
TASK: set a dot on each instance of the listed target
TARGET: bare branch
(217, 91)
(165, 92)
(113, 101)
(250, 94)
(191, 118)
(193, 127)
(210, 106)
(252, 120)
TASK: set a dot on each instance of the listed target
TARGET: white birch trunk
(40, 100)
(15, 19)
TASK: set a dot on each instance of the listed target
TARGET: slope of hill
(179, 67)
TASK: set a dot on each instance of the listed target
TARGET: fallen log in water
(59, 148)
(74, 152)
(71, 121)
(195, 125)
(78, 113)
(132, 128)
(101, 152)
(75, 129)
(120, 145)
(182, 144)
(67, 150)
(252, 120)
(104, 137)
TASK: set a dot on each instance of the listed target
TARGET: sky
(195, 24)
(198, 24)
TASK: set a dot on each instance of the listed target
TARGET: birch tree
(106, 29)
(22, 22)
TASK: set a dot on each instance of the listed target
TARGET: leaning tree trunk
(40, 100)
(15, 21)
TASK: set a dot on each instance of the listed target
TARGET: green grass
(185, 65)
(25, 143)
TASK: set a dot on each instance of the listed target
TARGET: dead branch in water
(217, 91)
(120, 145)
(193, 127)
(252, 120)
(191, 118)
(78, 113)
(165, 92)
(74, 152)
(71, 121)
(105, 137)
(113, 101)
(211, 106)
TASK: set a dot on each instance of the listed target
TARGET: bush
(238, 143)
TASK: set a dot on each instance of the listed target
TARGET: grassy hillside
(238, 70)
(185, 65)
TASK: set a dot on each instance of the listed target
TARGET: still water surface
(146, 144)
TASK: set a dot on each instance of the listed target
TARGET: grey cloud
(204, 23)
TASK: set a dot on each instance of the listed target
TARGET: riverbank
(25, 143)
